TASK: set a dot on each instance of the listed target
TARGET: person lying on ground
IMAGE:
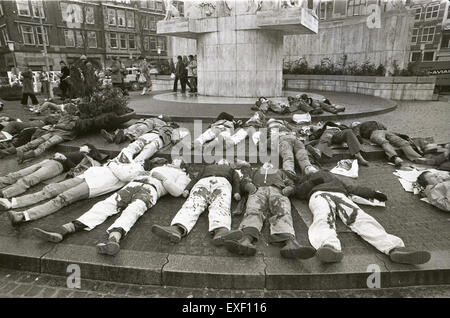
(334, 134)
(377, 133)
(436, 188)
(18, 182)
(46, 137)
(146, 145)
(94, 182)
(328, 199)
(284, 138)
(297, 103)
(264, 105)
(268, 190)
(211, 190)
(247, 129)
(136, 130)
(50, 107)
(324, 104)
(439, 158)
(222, 127)
(132, 201)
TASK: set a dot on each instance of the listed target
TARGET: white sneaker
(5, 204)
(310, 169)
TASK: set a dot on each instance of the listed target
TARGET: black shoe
(293, 249)
(107, 136)
(111, 247)
(48, 236)
(241, 247)
(233, 235)
(328, 254)
(169, 233)
(406, 256)
(119, 137)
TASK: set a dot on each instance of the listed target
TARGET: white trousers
(135, 208)
(326, 206)
(213, 193)
(145, 146)
(213, 133)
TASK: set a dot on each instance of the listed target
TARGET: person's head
(304, 96)
(222, 162)
(71, 109)
(141, 57)
(59, 156)
(427, 178)
(165, 118)
(62, 63)
(317, 126)
(83, 57)
(179, 163)
(93, 152)
(152, 163)
(355, 124)
(51, 119)
(267, 165)
(179, 58)
(85, 149)
(191, 57)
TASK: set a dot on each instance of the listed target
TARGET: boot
(107, 136)
(171, 233)
(21, 156)
(361, 160)
(244, 246)
(293, 249)
(111, 247)
(221, 235)
(410, 153)
(5, 204)
(119, 137)
(57, 235)
(15, 217)
(406, 256)
(144, 91)
(328, 254)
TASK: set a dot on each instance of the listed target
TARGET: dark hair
(421, 179)
(179, 57)
(151, 163)
(191, 56)
(94, 153)
(62, 62)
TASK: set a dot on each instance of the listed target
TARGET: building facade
(71, 28)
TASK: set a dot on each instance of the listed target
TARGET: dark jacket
(323, 180)
(71, 161)
(27, 81)
(279, 179)
(366, 128)
(180, 70)
(218, 171)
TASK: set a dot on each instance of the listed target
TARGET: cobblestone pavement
(16, 284)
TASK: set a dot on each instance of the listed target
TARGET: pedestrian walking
(27, 90)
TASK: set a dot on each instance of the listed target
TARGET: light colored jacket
(439, 195)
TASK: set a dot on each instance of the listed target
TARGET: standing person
(117, 71)
(27, 90)
(180, 75)
(145, 72)
(192, 73)
(45, 87)
(64, 85)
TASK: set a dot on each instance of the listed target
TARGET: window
(162, 44)
(146, 44)
(69, 37)
(131, 41)
(90, 16)
(445, 41)
(121, 18)
(92, 39)
(325, 10)
(113, 40)
(4, 36)
(428, 34)
(181, 8)
(23, 8)
(415, 35)
(71, 12)
(151, 4)
(79, 39)
(356, 7)
(111, 17)
(130, 19)
(145, 23)
(152, 23)
(27, 34)
(418, 14)
(432, 12)
(428, 56)
(415, 56)
(38, 8)
(144, 4)
(123, 41)
(39, 36)
(158, 6)
(153, 43)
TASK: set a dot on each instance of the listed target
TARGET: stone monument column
(239, 43)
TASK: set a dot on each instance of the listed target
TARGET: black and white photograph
(226, 156)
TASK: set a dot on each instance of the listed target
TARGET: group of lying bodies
(263, 193)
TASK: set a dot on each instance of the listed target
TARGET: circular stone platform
(200, 99)
(186, 108)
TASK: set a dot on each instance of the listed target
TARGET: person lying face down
(268, 190)
(18, 182)
(94, 182)
(328, 199)
(212, 189)
(133, 132)
(437, 188)
(132, 201)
